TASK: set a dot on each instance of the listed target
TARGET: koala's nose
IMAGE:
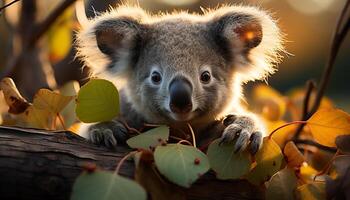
(180, 91)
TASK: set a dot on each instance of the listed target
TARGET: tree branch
(7, 5)
(36, 164)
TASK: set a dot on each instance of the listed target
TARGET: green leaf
(102, 185)
(226, 163)
(282, 185)
(98, 100)
(181, 164)
(269, 159)
(149, 139)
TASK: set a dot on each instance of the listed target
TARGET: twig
(7, 5)
(315, 144)
(45, 25)
(123, 160)
(284, 125)
(185, 141)
(310, 85)
(39, 31)
(338, 38)
(193, 135)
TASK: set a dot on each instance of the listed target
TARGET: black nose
(180, 91)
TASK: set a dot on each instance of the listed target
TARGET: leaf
(68, 113)
(98, 100)
(60, 36)
(226, 163)
(307, 173)
(147, 175)
(181, 164)
(149, 139)
(282, 185)
(37, 118)
(343, 143)
(339, 187)
(312, 191)
(294, 157)
(268, 161)
(17, 104)
(283, 135)
(271, 102)
(327, 124)
(102, 185)
(48, 100)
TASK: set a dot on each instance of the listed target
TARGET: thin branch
(39, 31)
(46, 24)
(338, 38)
(284, 125)
(315, 144)
(7, 5)
(310, 85)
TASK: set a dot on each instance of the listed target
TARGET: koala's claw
(108, 134)
(243, 131)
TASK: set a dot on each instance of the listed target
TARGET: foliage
(279, 166)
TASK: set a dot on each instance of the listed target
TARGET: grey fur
(234, 44)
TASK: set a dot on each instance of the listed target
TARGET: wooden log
(37, 164)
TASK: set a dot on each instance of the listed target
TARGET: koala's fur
(235, 44)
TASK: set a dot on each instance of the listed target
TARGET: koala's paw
(243, 129)
(108, 134)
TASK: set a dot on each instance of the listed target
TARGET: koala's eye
(205, 77)
(156, 77)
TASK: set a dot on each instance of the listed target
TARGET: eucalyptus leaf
(149, 139)
(97, 101)
(102, 185)
(225, 162)
(269, 159)
(181, 164)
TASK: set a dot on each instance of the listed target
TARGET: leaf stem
(193, 135)
(123, 160)
(185, 141)
(287, 124)
(7, 5)
(59, 116)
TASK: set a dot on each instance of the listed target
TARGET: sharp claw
(256, 142)
(109, 139)
(241, 142)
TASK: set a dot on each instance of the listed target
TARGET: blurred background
(46, 58)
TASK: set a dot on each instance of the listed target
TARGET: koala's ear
(115, 35)
(239, 30)
(248, 38)
(112, 40)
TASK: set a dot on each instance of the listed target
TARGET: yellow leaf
(283, 135)
(307, 173)
(271, 102)
(269, 159)
(17, 104)
(51, 101)
(37, 118)
(60, 36)
(294, 157)
(312, 191)
(327, 124)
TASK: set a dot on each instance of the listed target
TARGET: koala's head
(180, 67)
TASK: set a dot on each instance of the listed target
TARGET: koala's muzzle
(180, 91)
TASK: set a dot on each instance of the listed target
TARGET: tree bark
(36, 164)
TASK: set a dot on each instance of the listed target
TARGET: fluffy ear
(249, 38)
(112, 40)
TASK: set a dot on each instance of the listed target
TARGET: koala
(180, 68)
